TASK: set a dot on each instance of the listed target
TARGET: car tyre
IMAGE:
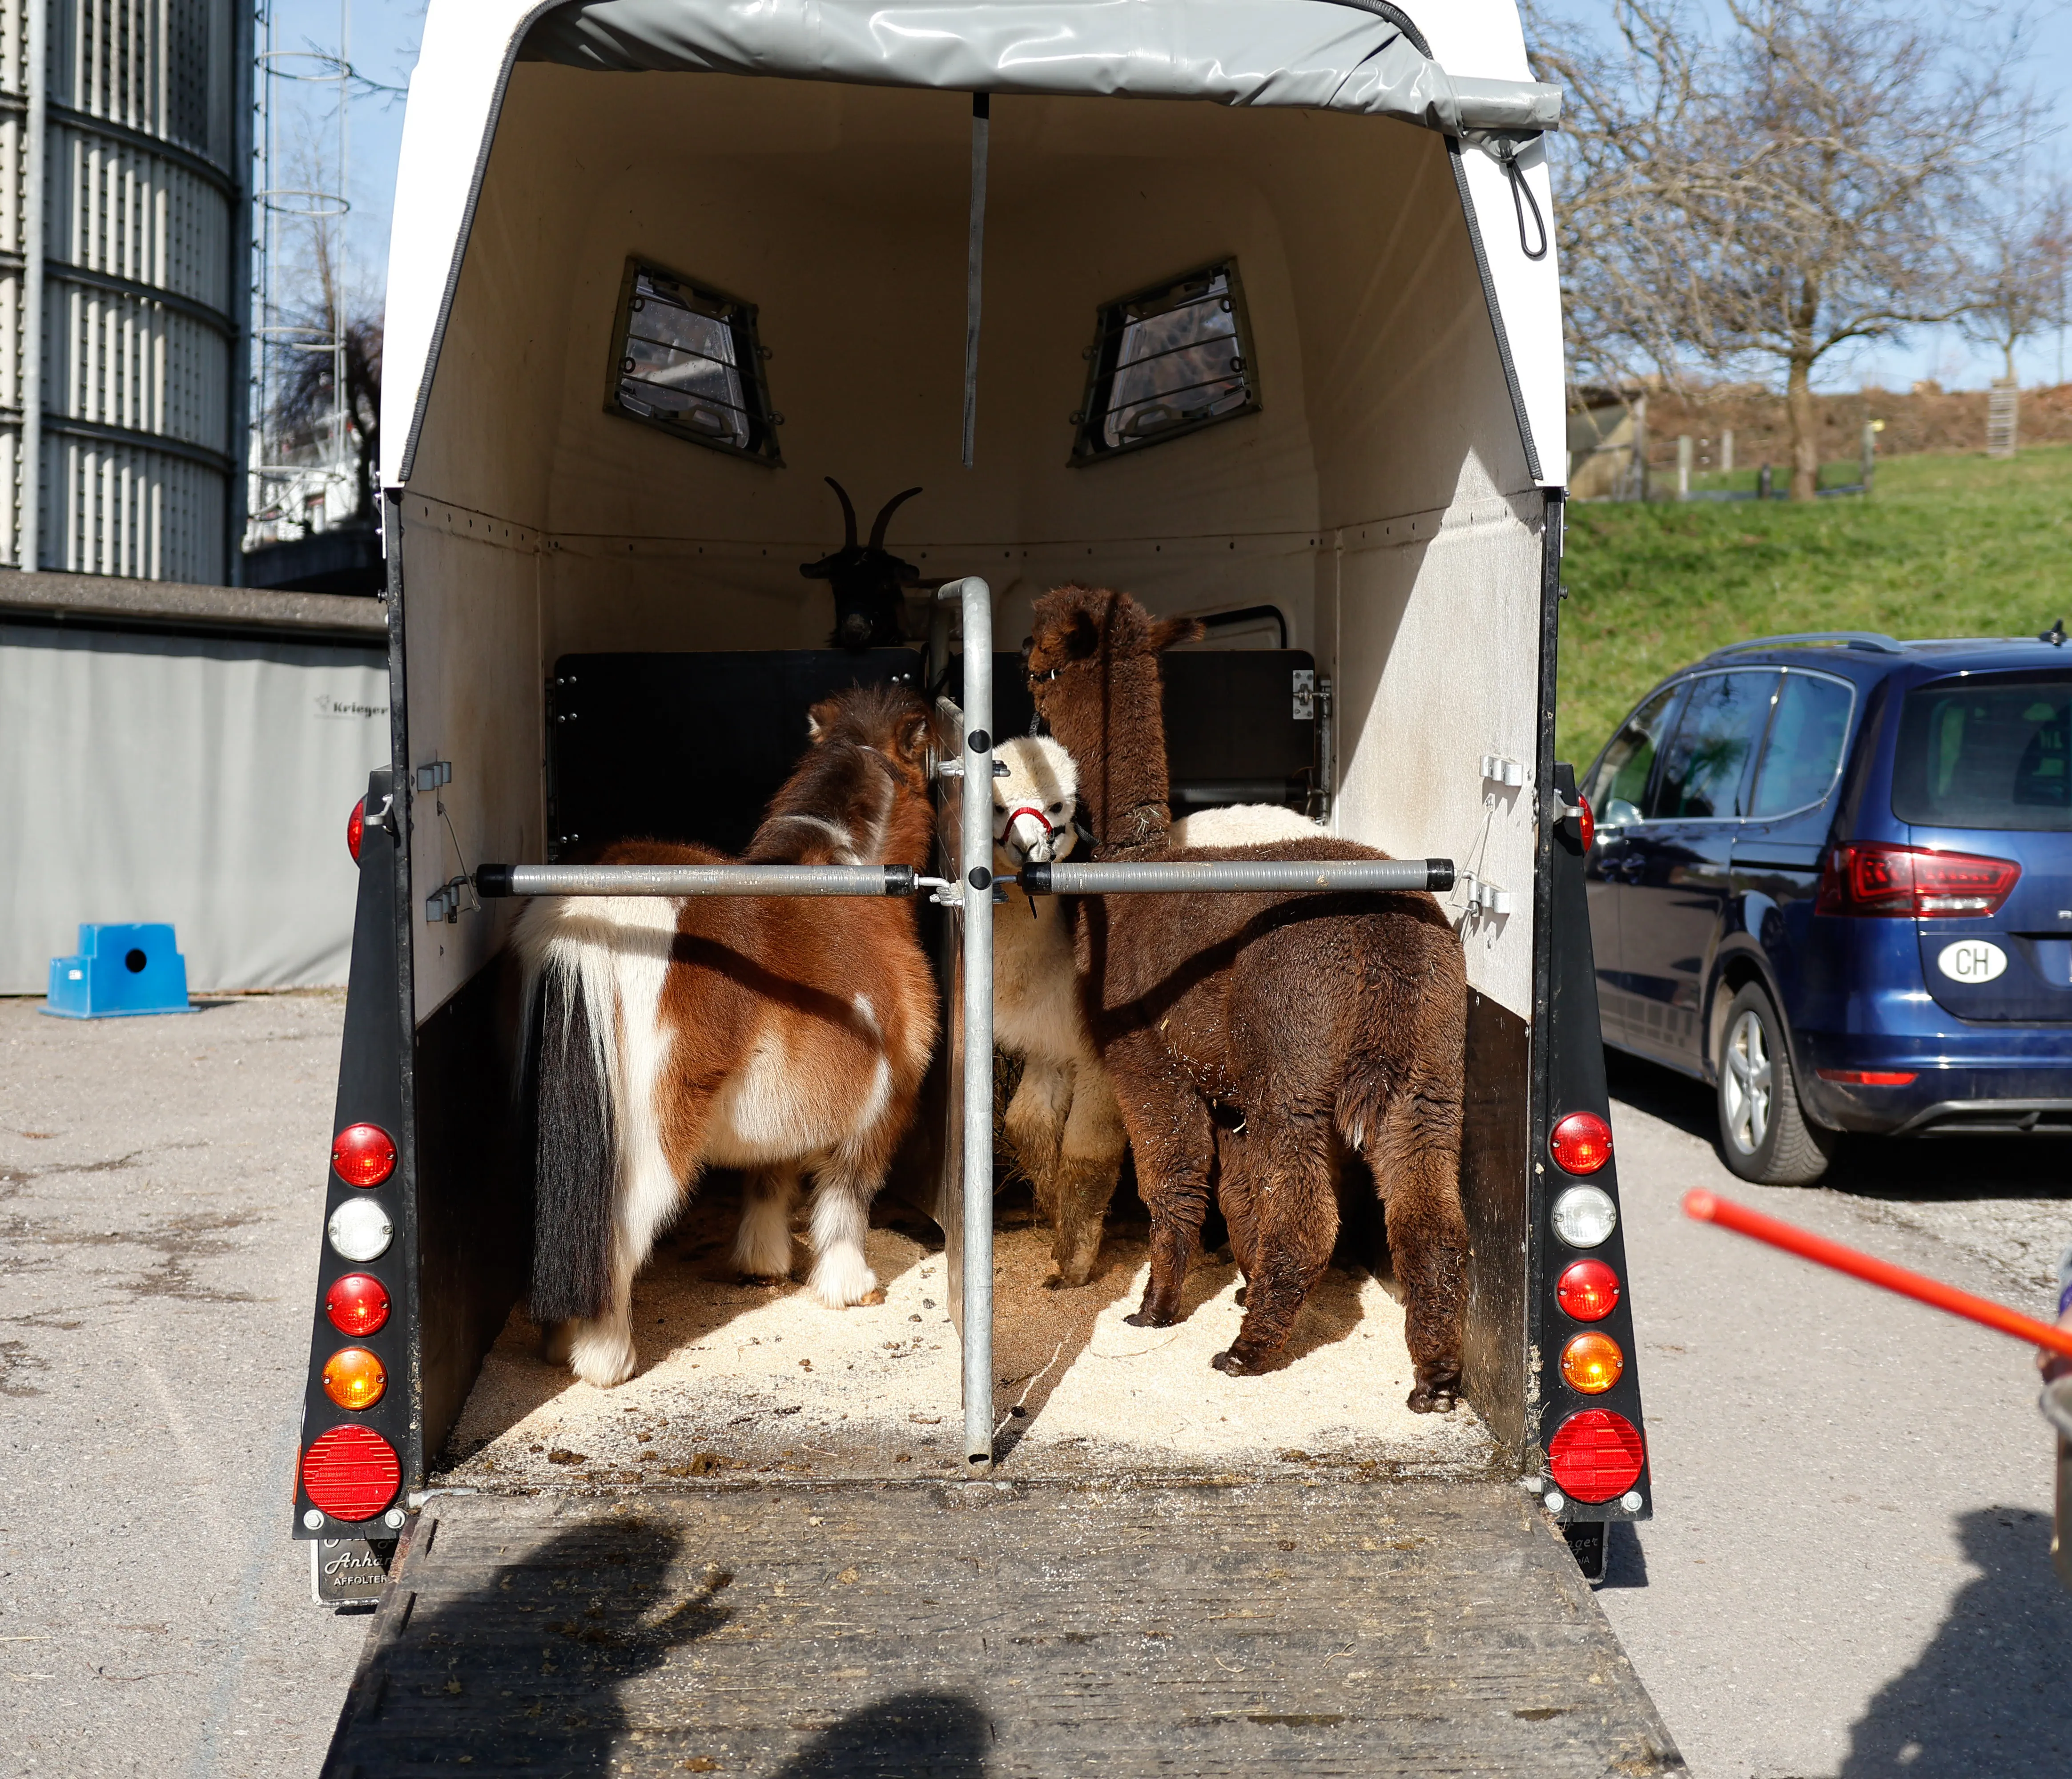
(1764, 1134)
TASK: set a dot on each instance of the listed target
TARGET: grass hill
(1957, 545)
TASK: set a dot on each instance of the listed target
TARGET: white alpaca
(1063, 1123)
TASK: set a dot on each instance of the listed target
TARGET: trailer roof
(1362, 56)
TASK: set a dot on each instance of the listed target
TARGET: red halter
(1020, 810)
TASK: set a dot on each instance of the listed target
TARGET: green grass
(1947, 546)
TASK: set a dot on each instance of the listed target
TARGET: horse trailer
(1248, 306)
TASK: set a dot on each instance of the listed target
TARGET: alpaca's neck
(1117, 739)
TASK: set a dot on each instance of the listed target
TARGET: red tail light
(1867, 1078)
(1586, 822)
(358, 1304)
(1596, 1455)
(351, 1472)
(355, 824)
(1582, 1142)
(1912, 883)
(1588, 1290)
(364, 1154)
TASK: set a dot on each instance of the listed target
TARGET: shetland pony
(1326, 1021)
(779, 1035)
(1064, 1123)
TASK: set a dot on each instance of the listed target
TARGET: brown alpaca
(1322, 1020)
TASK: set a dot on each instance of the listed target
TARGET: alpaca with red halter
(780, 1036)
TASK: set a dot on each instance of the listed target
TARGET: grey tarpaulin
(1238, 52)
(201, 781)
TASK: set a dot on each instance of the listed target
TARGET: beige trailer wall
(1380, 498)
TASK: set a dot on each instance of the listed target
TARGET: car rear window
(1985, 753)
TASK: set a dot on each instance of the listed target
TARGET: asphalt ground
(1849, 1574)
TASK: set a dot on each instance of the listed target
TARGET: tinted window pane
(1622, 774)
(1984, 753)
(1722, 721)
(1168, 361)
(681, 365)
(1804, 752)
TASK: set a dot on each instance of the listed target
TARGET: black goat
(867, 580)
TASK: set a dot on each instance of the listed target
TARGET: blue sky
(384, 48)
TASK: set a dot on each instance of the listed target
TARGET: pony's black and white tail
(576, 1151)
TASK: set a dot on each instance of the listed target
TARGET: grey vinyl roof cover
(1322, 54)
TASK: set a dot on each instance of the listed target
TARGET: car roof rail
(1871, 641)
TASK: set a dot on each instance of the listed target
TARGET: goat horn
(848, 512)
(884, 517)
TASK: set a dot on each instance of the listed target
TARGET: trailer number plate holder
(348, 1572)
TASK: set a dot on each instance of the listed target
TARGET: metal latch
(1305, 695)
(1484, 900)
(1497, 770)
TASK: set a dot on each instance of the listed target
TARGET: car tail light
(355, 824)
(354, 1379)
(1912, 883)
(1588, 1290)
(1867, 1078)
(358, 1304)
(351, 1472)
(1584, 1216)
(1586, 822)
(1582, 1142)
(1590, 1363)
(364, 1154)
(1595, 1455)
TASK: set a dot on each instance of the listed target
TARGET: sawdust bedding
(765, 1379)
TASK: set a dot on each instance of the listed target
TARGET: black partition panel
(1240, 724)
(686, 747)
(691, 747)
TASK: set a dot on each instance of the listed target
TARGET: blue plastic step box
(120, 969)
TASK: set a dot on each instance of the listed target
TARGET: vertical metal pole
(974, 273)
(975, 857)
(28, 534)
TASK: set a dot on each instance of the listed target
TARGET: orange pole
(1709, 1208)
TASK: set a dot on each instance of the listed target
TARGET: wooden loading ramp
(961, 1628)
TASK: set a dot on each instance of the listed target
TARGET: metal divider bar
(975, 864)
(697, 880)
(1235, 876)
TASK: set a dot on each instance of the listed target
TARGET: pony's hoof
(842, 1279)
(1229, 1364)
(1438, 1398)
(1242, 1291)
(605, 1363)
(765, 1279)
(1143, 1318)
(874, 1296)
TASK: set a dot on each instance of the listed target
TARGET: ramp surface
(961, 1628)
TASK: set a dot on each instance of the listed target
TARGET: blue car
(1831, 875)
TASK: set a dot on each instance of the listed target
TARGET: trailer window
(1166, 361)
(685, 358)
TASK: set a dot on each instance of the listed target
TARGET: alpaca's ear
(1081, 637)
(911, 736)
(1167, 632)
(820, 719)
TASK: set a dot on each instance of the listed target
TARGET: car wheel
(1763, 1134)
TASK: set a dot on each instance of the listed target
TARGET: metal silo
(121, 441)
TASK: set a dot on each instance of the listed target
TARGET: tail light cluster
(1912, 883)
(1595, 1455)
(350, 1471)
(355, 825)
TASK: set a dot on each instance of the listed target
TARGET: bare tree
(2024, 245)
(1770, 199)
(307, 399)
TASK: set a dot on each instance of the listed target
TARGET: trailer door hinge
(439, 772)
(1305, 695)
(447, 902)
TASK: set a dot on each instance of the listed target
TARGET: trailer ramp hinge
(1305, 695)
(431, 777)
(1497, 770)
(446, 902)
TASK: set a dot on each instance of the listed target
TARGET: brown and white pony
(781, 1036)
(1324, 1022)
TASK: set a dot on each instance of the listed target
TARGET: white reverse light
(1584, 1216)
(359, 1230)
